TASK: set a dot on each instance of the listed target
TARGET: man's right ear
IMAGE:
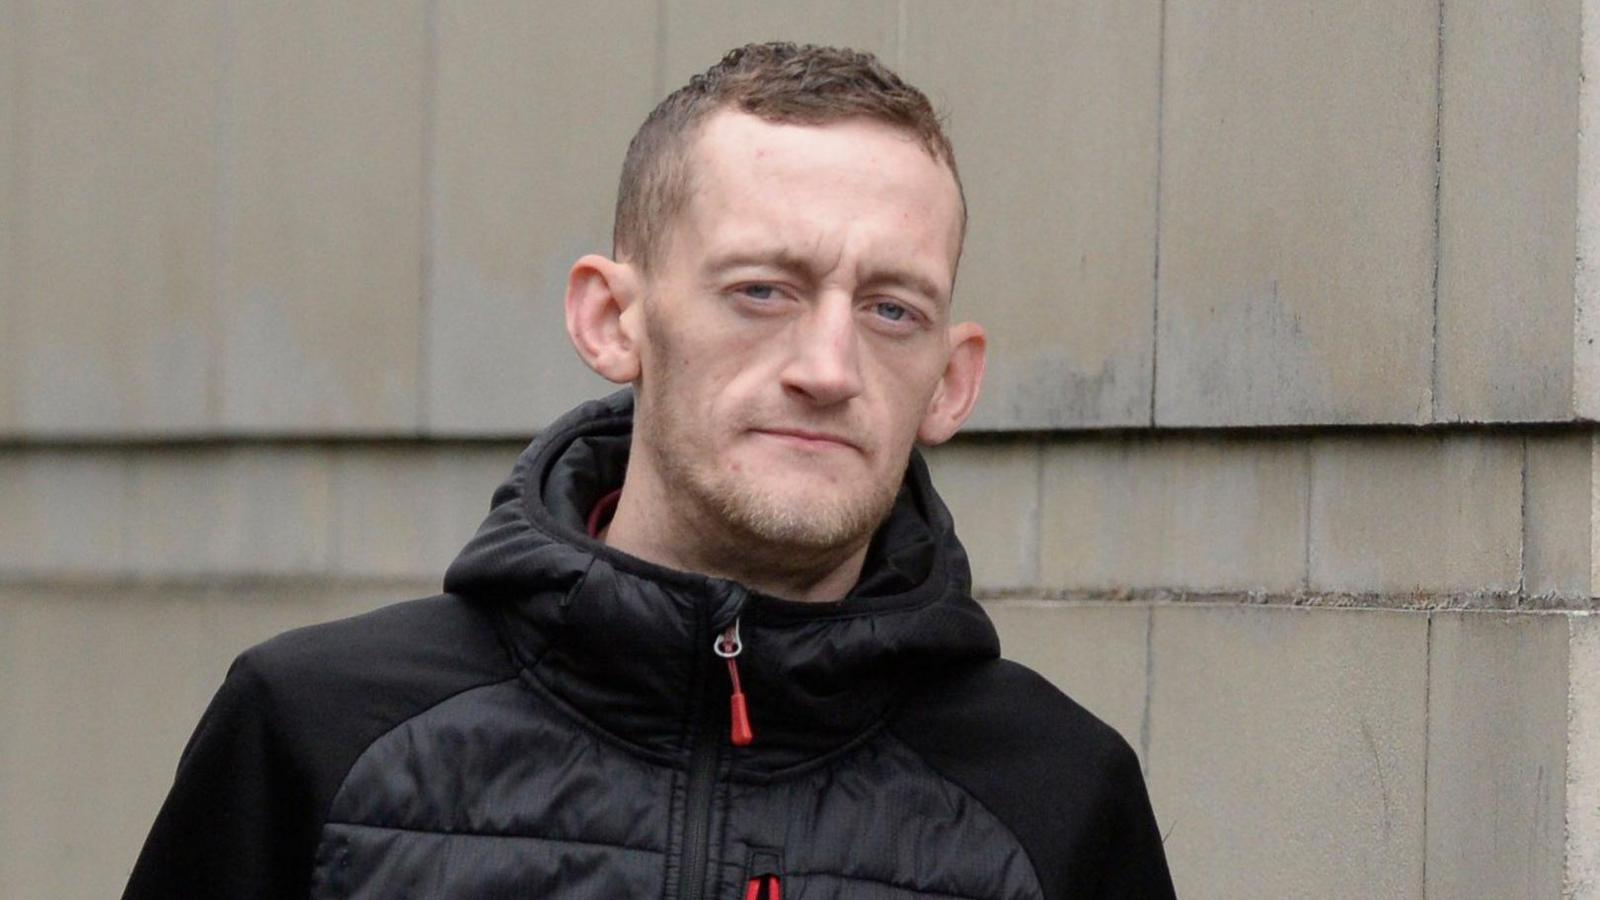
(599, 292)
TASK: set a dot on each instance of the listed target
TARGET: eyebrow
(787, 261)
(916, 281)
(780, 259)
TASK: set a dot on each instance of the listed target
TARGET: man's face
(795, 327)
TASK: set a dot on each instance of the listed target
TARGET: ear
(957, 390)
(599, 292)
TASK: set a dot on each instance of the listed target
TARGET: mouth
(808, 440)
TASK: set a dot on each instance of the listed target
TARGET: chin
(803, 518)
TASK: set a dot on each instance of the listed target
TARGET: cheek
(715, 385)
(909, 376)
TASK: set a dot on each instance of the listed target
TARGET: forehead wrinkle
(781, 247)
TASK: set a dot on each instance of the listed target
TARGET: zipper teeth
(697, 831)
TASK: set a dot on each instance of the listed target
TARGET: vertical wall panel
(1586, 333)
(1559, 507)
(1053, 113)
(1207, 515)
(992, 490)
(62, 514)
(220, 512)
(99, 690)
(532, 117)
(1093, 652)
(112, 324)
(1508, 209)
(1497, 745)
(1297, 208)
(380, 532)
(1397, 515)
(1287, 750)
(1583, 757)
(321, 223)
(94, 700)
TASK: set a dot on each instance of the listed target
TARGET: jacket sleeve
(1067, 785)
(1134, 864)
(237, 823)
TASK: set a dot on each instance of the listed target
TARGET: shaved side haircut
(778, 82)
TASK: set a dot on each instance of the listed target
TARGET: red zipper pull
(753, 890)
(728, 646)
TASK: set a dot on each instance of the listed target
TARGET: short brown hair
(779, 82)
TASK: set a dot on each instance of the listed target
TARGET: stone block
(61, 513)
(116, 164)
(1416, 513)
(1507, 210)
(696, 33)
(415, 531)
(1497, 742)
(992, 489)
(230, 512)
(97, 695)
(1561, 511)
(1053, 113)
(1297, 213)
(1094, 652)
(1586, 334)
(129, 669)
(1582, 875)
(1287, 748)
(1183, 513)
(322, 221)
(531, 128)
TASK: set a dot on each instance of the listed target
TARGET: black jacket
(557, 725)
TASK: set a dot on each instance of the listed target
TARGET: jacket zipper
(697, 827)
(703, 771)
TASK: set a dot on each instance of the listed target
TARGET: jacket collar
(628, 644)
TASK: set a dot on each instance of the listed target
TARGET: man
(715, 638)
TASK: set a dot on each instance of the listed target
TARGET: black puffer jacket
(557, 725)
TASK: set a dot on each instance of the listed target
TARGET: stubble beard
(740, 523)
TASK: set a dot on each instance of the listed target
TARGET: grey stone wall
(1287, 463)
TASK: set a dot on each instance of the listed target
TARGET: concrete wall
(1287, 465)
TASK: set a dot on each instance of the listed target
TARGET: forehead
(852, 184)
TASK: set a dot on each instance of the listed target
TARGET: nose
(824, 364)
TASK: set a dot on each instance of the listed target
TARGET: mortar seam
(1427, 738)
(428, 221)
(1310, 494)
(1438, 180)
(1033, 563)
(1149, 689)
(1155, 274)
(1522, 536)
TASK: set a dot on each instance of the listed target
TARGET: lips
(807, 438)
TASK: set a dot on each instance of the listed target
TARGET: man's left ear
(957, 390)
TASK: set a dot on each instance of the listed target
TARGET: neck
(650, 526)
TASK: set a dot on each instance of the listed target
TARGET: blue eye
(894, 312)
(758, 291)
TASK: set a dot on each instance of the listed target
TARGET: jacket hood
(628, 644)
